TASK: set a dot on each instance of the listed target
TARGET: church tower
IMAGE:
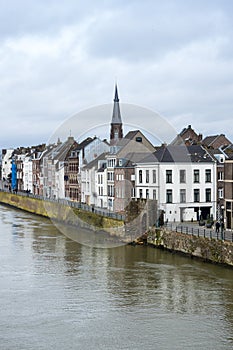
(116, 132)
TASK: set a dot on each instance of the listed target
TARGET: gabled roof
(187, 136)
(228, 150)
(84, 143)
(149, 158)
(94, 162)
(136, 157)
(61, 150)
(210, 140)
(194, 154)
(131, 134)
(179, 154)
(121, 144)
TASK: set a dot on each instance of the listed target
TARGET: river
(57, 294)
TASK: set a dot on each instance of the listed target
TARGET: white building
(6, 163)
(92, 190)
(101, 180)
(52, 168)
(90, 149)
(182, 179)
(59, 191)
(27, 173)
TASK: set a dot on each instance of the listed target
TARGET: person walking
(222, 230)
(217, 226)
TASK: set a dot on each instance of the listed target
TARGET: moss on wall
(62, 213)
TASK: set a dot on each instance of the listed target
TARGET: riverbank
(206, 249)
(60, 212)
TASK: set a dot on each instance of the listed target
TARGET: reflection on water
(91, 238)
(58, 294)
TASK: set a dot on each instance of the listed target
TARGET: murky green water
(57, 294)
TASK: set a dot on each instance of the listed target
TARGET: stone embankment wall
(63, 213)
(212, 250)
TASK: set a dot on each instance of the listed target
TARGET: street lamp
(222, 213)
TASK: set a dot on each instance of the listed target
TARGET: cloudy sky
(58, 58)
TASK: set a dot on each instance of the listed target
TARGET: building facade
(228, 190)
(182, 180)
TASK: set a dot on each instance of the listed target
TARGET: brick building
(228, 189)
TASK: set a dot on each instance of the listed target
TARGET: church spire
(116, 124)
(116, 115)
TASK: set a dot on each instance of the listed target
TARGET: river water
(58, 294)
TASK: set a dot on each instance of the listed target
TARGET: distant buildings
(190, 179)
(228, 190)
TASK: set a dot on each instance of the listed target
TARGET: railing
(226, 235)
(73, 204)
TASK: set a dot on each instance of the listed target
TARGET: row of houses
(191, 178)
(52, 170)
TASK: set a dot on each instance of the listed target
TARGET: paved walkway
(195, 229)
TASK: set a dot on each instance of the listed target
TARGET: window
(110, 190)
(196, 175)
(196, 195)
(111, 163)
(220, 193)
(110, 176)
(154, 176)
(182, 176)
(147, 193)
(168, 176)
(208, 195)
(220, 175)
(154, 194)
(147, 176)
(140, 193)
(138, 139)
(183, 196)
(169, 196)
(140, 176)
(133, 192)
(208, 175)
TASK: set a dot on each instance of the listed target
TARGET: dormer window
(138, 139)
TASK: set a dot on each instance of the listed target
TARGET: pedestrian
(222, 229)
(217, 226)
(222, 226)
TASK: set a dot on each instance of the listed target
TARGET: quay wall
(63, 213)
(207, 249)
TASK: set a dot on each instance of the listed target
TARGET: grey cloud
(147, 33)
(45, 16)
